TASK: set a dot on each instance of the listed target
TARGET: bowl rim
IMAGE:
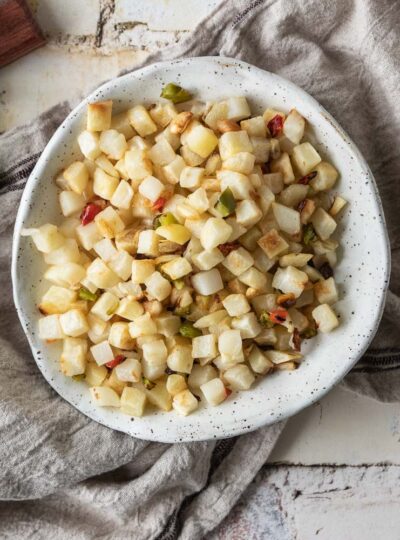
(40, 166)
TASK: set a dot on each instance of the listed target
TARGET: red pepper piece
(226, 248)
(89, 213)
(296, 340)
(307, 178)
(117, 360)
(228, 392)
(278, 316)
(159, 204)
(275, 125)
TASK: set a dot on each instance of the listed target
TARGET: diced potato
(248, 213)
(191, 177)
(151, 188)
(214, 391)
(119, 336)
(109, 223)
(104, 396)
(215, 232)
(129, 308)
(77, 176)
(168, 325)
(269, 114)
(175, 233)
(142, 270)
(305, 158)
(338, 204)
(113, 144)
(142, 326)
(280, 357)
(71, 202)
(326, 177)
(325, 318)
(243, 162)
(239, 377)
(233, 142)
(50, 328)
(120, 122)
(323, 223)
(293, 126)
(181, 359)
(202, 141)
(89, 144)
(105, 306)
(105, 164)
(274, 182)
(74, 323)
(236, 304)
(133, 401)
(272, 243)
(158, 287)
(293, 194)
(259, 363)
(261, 149)
(297, 260)
(217, 112)
(138, 164)
(122, 196)
(248, 325)
(173, 171)
(94, 374)
(290, 280)
(160, 397)
(208, 282)
(185, 402)
(99, 115)
(141, 121)
(155, 351)
(57, 300)
(238, 261)
(175, 384)
(104, 185)
(65, 275)
(237, 108)
(130, 370)
(199, 200)
(204, 346)
(68, 252)
(200, 375)
(288, 219)
(162, 153)
(73, 356)
(255, 279)
(205, 260)
(326, 291)
(255, 126)
(238, 183)
(101, 275)
(88, 235)
(283, 165)
(148, 243)
(46, 238)
(177, 268)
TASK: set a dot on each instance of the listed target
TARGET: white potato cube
(50, 328)
(168, 325)
(217, 112)
(155, 351)
(295, 259)
(230, 343)
(238, 261)
(274, 181)
(71, 202)
(293, 126)
(215, 232)
(248, 325)
(105, 249)
(305, 157)
(163, 114)
(142, 269)
(181, 359)
(239, 377)
(104, 185)
(122, 196)
(68, 252)
(120, 337)
(158, 287)
(175, 384)
(88, 235)
(99, 115)
(57, 300)
(259, 363)
(214, 391)
(293, 194)
(290, 280)
(142, 326)
(236, 304)
(148, 243)
(191, 177)
(283, 166)
(105, 307)
(159, 397)
(133, 401)
(177, 268)
(184, 403)
(94, 374)
(208, 282)
(199, 200)
(323, 223)
(138, 165)
(243, 162)
(120, 122)
(288, 219)
(162, 153)
(173, 171)
(113, 144)
(46, 238)
(261, 148)
(248, 213)
(153, 371)
(325, 318)
(255, 126)
(74, 323)
(338, 204)
(326, 177)
(237, 108)
(272, 244)
(151, 188)
(109, 223)
(121, 264)
(104, 396)
(66, 275)
(202, 141)
(173, 138)
(129, 308)
(141, 121)
(77, 176)
(101, 275)
(237, 230)
(233, 142)
(238, 183)
(105, 164)
(205, 260)
(200, 375)
(204, 346)
(73, 356)
(326, 291)
(255, 279)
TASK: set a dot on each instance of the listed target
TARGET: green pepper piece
(265, 319)
(309, 234)
(85, 294)
(188, 330)
(175, 93)
(226, 203)
(147, 383)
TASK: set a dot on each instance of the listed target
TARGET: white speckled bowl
(362, 271)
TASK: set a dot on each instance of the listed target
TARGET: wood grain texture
(19, 33)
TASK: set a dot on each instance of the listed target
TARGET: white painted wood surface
(354, 497)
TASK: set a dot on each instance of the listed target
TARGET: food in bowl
(195, 254)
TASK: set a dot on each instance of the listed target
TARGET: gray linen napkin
(64, 476)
